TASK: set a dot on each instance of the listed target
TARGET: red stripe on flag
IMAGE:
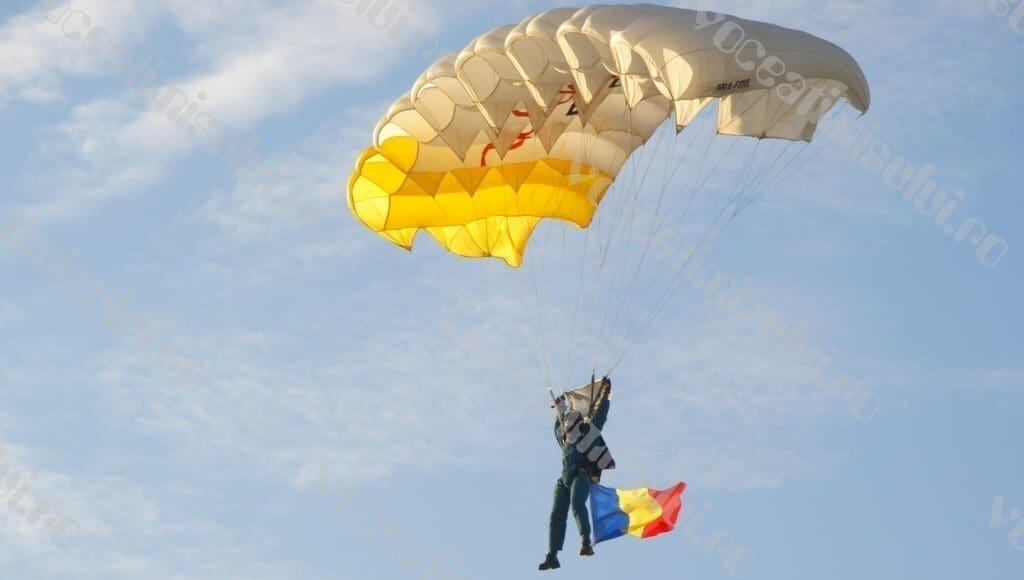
(671, 501)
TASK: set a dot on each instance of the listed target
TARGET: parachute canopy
(534, 121)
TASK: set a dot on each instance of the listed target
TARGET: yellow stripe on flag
(641, 508)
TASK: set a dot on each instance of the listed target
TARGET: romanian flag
(639, 512)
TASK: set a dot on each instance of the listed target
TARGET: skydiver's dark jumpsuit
(573, 487)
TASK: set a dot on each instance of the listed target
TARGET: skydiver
(584, 455)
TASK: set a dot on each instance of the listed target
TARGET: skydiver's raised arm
(601, 415)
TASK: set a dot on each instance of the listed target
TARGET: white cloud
(307, 189)
(120, 529)
(252, 65)
(36, 57)
(256, 405)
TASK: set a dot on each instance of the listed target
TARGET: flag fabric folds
(642, 512)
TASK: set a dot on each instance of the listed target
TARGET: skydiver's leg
(559, 517)
(580, 492)
(556, 527)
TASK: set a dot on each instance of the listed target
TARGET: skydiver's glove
(561, 405)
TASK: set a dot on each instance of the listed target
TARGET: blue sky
(210, 380)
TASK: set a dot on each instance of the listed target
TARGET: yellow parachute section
(534, 121)
(471, 211)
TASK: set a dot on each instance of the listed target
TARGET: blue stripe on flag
(609, 521)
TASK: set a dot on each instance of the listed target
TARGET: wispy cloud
(307, 191)
(37, 57)
(252, 65)
(364, 411)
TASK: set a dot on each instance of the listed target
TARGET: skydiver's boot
(550, 562)
(587, 549)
